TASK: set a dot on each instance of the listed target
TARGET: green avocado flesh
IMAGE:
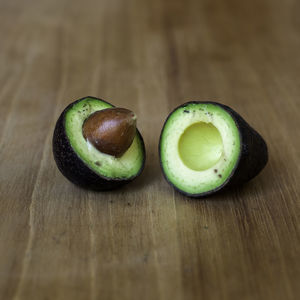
(125, 167)
(199, 147)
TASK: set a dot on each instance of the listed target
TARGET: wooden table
(146, 241)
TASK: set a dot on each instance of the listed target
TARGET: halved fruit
(81, 162)
(205, 146)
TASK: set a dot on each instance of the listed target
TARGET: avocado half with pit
(205, 146)
(80, 160)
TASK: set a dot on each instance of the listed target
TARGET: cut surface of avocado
(124, 167)
(199, 147)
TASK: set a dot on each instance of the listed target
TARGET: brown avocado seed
(110, 130)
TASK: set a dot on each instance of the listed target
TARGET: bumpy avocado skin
(73, 168)
(252, 159)
(254, 152)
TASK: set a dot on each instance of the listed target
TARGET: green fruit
(205, 146)
(81, 162)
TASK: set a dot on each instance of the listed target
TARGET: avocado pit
(110, 130)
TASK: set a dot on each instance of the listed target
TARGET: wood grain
(146, 241)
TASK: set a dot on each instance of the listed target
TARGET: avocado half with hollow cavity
(205, 146)
(80, 133)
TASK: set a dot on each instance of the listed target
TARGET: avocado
(79, 158)
(206, 146)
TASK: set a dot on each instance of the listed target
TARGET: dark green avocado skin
(73, 168)
(253, 156)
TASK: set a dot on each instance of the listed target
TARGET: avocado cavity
(200, 146)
